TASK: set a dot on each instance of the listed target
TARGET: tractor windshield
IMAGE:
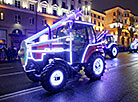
(61, 31)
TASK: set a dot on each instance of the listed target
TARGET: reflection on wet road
(118, 84)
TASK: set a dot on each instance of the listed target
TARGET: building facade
(136, 24)
(20, 19)
(98, 18)
(120, 22)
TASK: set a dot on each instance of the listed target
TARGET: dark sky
(101, 5)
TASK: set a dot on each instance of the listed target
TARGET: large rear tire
(96, 67)
(54, 78)
(114, 52)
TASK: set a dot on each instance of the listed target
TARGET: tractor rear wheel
(96, 67)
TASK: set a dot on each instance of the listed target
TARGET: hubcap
(98, 66)
(114, 51)
(56, 78)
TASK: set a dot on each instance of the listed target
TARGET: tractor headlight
(21, 52)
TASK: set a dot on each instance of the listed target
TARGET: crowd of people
(8, 54)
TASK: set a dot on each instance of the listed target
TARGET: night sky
(101, 5)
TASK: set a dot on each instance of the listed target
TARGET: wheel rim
(114, 51)
(56, 78)
(98, 66)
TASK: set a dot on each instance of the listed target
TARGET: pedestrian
(3, 55)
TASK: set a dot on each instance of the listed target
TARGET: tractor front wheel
(54, 78)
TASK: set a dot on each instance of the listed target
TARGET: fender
(61, 61)
(110, 45)
(90, 49)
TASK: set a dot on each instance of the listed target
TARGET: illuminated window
(1, 16)
(17, 3)
(91, 14)
(31, 21)
(43, 10)
(114, 14)
(17, 19)
(31, 7)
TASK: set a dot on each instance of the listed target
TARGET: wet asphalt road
(118, 84)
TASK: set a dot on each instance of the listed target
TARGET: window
(54, 1)
(44, 22)
(1, 16)
(79, 1)
(125, 21)
(80, 35)
(31, 7)
(80, 19)
(136, 20)
(125, 15)
(91, 35)
(94, 15)
(17, 19)
(98, 17)
(91, 14)
(54, 12)
(64, 13)
(43, 10)
(114, 14)
(31, 21)
(17, 3)
(94, 21)
(102, 18)
(72, 7)
(98, 23)
(63, 4)
(119, 13)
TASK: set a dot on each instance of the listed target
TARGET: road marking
(5, 63)
(19, 93)
(5, 68)
(3, 75)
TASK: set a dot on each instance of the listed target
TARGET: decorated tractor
(69, 46)
(110, 46)
(134, 46)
